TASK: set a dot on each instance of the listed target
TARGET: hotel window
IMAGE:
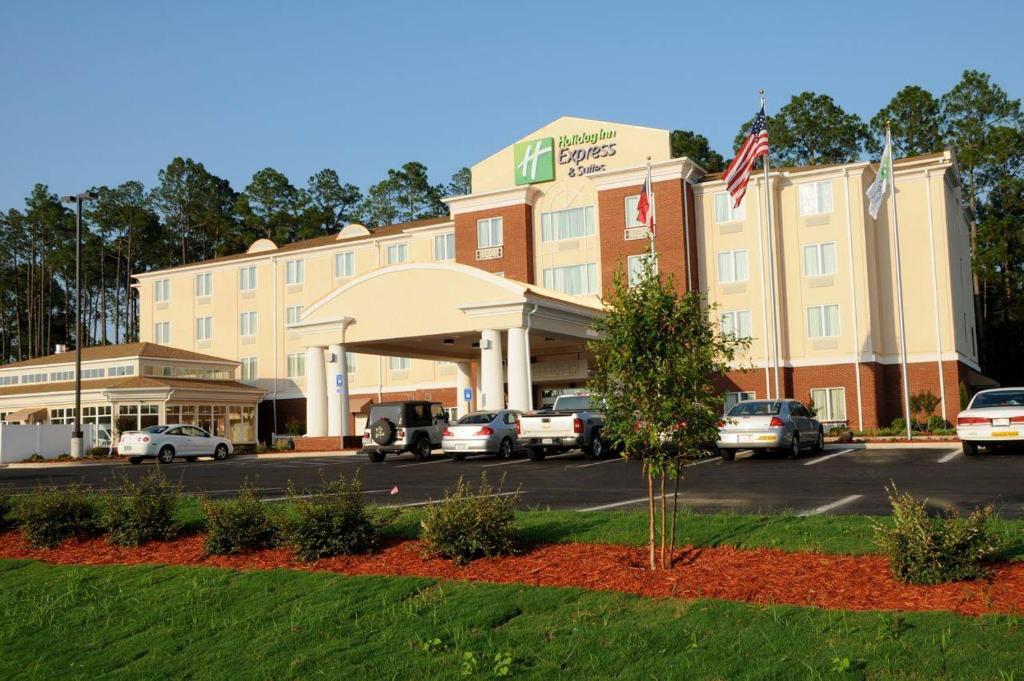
(398, 363)
(248, 323)
(162, 333)
(398, 253)
(631, 207)
(732, 267)
(8, 380)
(162, 290)
(33, 378)
(350, 362)
(444, 246)
(93, 373)
(571, 223)
(823, 321)
(344, 264)
(829, 403)
(574, 279)
(123, 370)
(249, 372)
(820, 259)
(293, 313)
(296, 364)
(66, 415)
(724, 210)
(294, 271)
(736, 323)
(732, 399)
(635, 267)
(816, 198)
(204, 285)
(66, 375)
(489, 233)
(247, 278)
(204, 328)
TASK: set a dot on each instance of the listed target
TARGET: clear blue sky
(101, 92)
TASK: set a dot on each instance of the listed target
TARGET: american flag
(754, 147)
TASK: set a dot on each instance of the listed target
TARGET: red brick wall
(517, 251)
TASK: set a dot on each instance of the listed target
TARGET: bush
(898, 426)
(142, 511)
(936, 423)
(48, 516)
(294, 426)
(333, 522)
(841, 433)
(470, 523)
(99, 453)
(5, 508)
(241, 524)
(34, 458)
(928, 550)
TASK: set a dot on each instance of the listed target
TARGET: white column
(316, 392)
(463, 381)
(492, 381)
(333, 394)
(518, 370)
(346, 416)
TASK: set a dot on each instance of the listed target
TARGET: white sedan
(994, 417)
(164, 443)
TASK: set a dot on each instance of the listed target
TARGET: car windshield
(752, 408)
(391, 412)
(154, 429)
(573, 403)
(999, 398)
(477, 418)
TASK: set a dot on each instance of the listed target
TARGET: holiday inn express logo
(535, 160)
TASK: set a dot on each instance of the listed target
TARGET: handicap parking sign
(339, 381)
(467, 395)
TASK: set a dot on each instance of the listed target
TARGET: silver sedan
(483, 432)
(784, 425)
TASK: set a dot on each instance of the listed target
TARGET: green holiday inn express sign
(535, 160)
(581, 153)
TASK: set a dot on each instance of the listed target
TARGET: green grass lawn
(205, 623)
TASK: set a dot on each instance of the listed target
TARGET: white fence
(49, 440)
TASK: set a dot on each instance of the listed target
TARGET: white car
(994, 417)
(164, 443)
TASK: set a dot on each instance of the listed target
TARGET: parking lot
(841, 480)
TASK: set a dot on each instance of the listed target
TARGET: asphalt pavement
(840, 480)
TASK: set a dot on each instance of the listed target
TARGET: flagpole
(771, 271)
(651, 220)
(899, 283)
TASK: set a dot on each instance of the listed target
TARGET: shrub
(294, 426)
(48, 516)
(469, 523)
(936, 423)
(898, 426)
(99, 453)
(927, 549)
(5, 508)
(241, 524)
(142, 511)
(842, 434)
(333, 522)
(34, 458)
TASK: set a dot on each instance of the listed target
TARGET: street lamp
(76, 434)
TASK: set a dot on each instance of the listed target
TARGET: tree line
(191, 214)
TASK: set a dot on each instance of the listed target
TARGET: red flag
(394, 490)
(644, 214)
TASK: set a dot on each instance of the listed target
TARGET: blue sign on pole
(339, 381)
(467, 395)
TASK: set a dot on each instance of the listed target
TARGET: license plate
(730, 438)
(1000, 422)
(1005, 433)
(125, 448)
(547, 441)
(461, 445)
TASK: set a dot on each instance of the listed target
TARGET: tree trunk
(650, 515)
(664, 532)
(675, 508)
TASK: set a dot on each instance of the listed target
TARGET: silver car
(784, 425)
(483, 432)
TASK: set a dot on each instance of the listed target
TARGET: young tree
(914, 118)
(696, 148)
(655, 365)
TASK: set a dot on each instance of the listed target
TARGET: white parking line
(628, 502)
(425, 463)
(437, 501)
(316, 494)
(828, 507)
(505, 463)
(827, 457)
(951, 455)
(597, 463)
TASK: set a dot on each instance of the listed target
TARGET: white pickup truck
(571, 423)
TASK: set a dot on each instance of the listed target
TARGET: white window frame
(732, 320)
(725, 212)
(204, 328)
(344, 265)
(593, 285)
(248, 323)
(162, 333)
(549, 233)
(819, 258)
(631, 207)
(396, 363)
(162, 291)
(735, 397)
(397, 253)
(247, 278)
(444, 244)
(295, 365)
(734, 257)
(821, 311)
(634, 265)
(96, 372)
(294, 271)
(204, 284)
(810, 193)
(293, 313)
(827, 414)
(489, 225)
(249, 368)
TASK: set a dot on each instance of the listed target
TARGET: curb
(119, 461)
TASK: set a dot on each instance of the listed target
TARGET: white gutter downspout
(853, 298)
(277, 331)
(935, 292)
(380, 358)
(529, 363)
(686, 228)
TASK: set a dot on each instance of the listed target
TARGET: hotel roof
(129, 382)
(125, 351)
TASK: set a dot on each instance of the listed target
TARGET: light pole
(76, 434)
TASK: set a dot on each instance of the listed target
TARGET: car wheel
(596, 448)
(728, 454)
(505, 449)
(819, 442)
(166, 454)
(377, 457)
(135, 460)
(794, 449)
(221, 452)
(422, 450)
(191, 459)
(536, 453)
(970, 448)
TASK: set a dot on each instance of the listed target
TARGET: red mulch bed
(762, 576)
